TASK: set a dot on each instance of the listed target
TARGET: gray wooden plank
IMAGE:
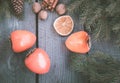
(12, 68)
(107, 47)
(53, 44)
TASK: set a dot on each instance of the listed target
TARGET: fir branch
(4, 9)
(74, 5)
(99, 17)
(29, 1)
(98, 67)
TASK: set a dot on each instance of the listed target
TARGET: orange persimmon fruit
(22, 40)
(38, 61)
(78, 42)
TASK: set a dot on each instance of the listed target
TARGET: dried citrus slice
(63, 25)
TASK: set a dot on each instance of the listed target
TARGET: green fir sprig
(101, 18)
(97, 67)
(4, 9)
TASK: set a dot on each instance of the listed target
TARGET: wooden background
(12, 68)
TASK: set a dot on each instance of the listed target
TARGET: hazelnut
(36, 7)
(43, 15)
(61, 9)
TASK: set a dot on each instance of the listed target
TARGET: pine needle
(4, 9)
(98, 13)
(98, 67)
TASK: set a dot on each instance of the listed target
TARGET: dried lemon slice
(63, 25)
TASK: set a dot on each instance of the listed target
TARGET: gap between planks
(36, 18)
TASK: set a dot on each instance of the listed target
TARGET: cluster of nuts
(41, 8)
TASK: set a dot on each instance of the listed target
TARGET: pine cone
(17, 6)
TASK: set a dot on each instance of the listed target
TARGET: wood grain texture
(12, 68)
(107, 47)
(53, 44)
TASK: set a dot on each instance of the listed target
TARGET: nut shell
(61, 9)
(36, 7)
(43, 15)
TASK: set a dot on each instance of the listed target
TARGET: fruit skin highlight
(38, 61)
(22, 40)
(78, 42)
(63, 25)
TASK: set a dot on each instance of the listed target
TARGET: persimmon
(78, 42)
(38, 61)
(22, 40)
